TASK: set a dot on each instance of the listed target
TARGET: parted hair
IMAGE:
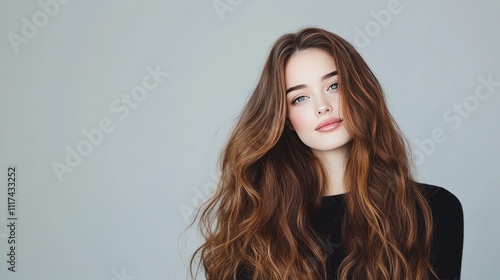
(259, 220)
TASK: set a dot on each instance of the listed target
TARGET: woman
(316, 182)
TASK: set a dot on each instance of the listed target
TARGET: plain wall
(118, 211)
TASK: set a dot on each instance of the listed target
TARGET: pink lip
(328, 125)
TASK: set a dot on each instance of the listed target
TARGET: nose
(323, 108)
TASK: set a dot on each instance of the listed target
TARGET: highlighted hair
(271, 184)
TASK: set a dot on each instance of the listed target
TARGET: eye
(299, 99)
(333, 87)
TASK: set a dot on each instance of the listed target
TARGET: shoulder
(447, 211)
(448, 217)
(443, 203)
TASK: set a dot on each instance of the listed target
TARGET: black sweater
(448, 232)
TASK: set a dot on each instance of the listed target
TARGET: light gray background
(120, 213)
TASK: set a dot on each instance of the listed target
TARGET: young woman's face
(313, 100)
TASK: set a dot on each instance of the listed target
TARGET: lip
(328, 125)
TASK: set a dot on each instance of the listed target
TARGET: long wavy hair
(260, 217)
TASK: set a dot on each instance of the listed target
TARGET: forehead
(308, 66)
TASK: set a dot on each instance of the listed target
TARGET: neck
(334, 162)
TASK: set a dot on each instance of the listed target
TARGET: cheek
(298, 121)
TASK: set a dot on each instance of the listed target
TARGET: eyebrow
(329, 75)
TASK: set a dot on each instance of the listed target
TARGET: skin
(312, 97)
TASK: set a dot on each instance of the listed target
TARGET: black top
(448, 232)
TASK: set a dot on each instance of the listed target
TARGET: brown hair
(271, 184)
